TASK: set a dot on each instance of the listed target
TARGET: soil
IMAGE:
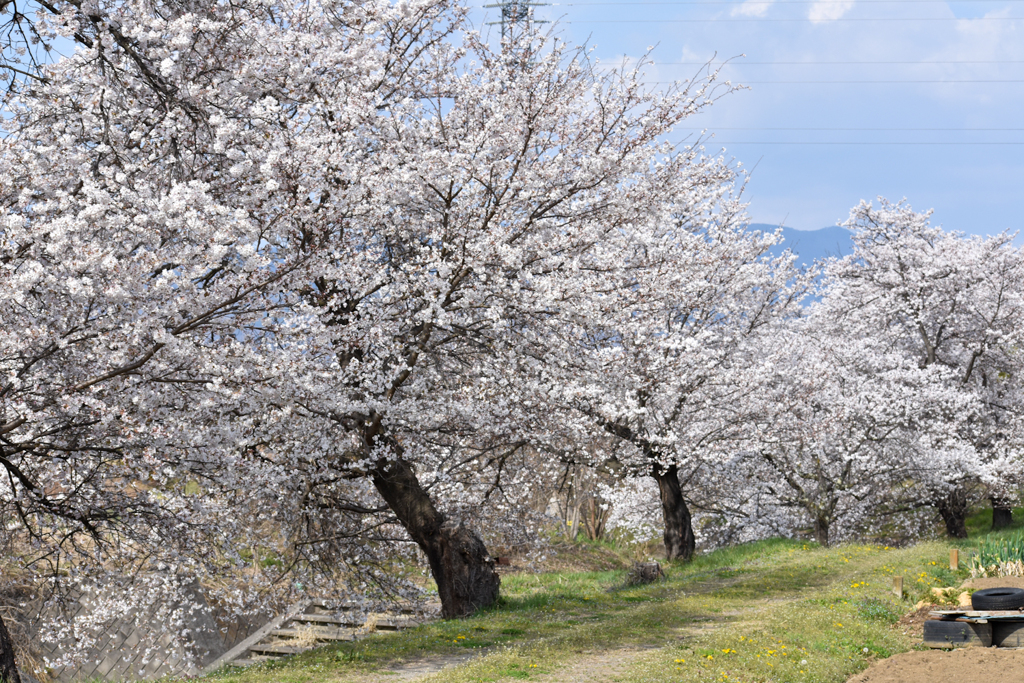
(912, 623)
(966, 665)
(426, 666)
(995, 582)
(597, 667)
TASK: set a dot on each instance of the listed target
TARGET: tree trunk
(821, 531)
(465, 576)
(953, 509)
(8, 668)
(680, 543)
(1002, 514)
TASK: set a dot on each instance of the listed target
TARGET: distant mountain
(811, 245)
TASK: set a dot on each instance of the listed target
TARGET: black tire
(998, 598)
(1008, 634)
(947, 634)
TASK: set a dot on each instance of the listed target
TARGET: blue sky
(870, 74)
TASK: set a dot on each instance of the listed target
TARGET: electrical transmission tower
(516, 16)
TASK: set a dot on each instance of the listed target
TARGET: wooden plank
(278, 649)
(954, 559)
(975, 617)
(979, 612)
(343, 606)
(238, 650)
(390, 625)
(897, 586)
(352, 605)
(335, 634)
(327, 619)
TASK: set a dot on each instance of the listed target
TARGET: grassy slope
(776, 610)
(980, 522)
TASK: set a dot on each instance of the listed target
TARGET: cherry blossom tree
(668, 342)
(942, 299)
(510, 191)
(153, 231)
(836, 418)
(287, 256)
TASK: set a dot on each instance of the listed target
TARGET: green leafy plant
(999, 556)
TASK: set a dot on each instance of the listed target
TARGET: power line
(922, 63)
(717, 128)
(764, 2)
(875, 82)
(732, 20)
(869, 142)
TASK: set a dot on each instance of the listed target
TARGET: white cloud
(752, 8)
(900, 75)
(828, 10)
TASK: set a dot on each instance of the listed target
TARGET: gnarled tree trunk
(953, 510)
(1002, 513)
(821, 528)
(8, 668)
(465, 576)
(680, 543)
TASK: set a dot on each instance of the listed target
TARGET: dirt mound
(912, 623)
(995, 582)
(967, 665)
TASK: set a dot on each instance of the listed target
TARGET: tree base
(1002, 517)
(464, 573)
(469, 580)
(680, 542)
(953, 510)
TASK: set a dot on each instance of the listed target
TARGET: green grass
(979, 523)
(776, 610)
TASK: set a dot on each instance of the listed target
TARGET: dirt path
(597, 667)
(590, 667)
(970, 665)
(421, 668)
(605, 666)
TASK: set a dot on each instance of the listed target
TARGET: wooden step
(348, 622)
(277, 649)
(394, 625)
(242, 649)
(324, 607)
(313, 618)
(319, 634)
(334, 606)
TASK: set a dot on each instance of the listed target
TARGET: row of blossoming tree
(302, 291)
